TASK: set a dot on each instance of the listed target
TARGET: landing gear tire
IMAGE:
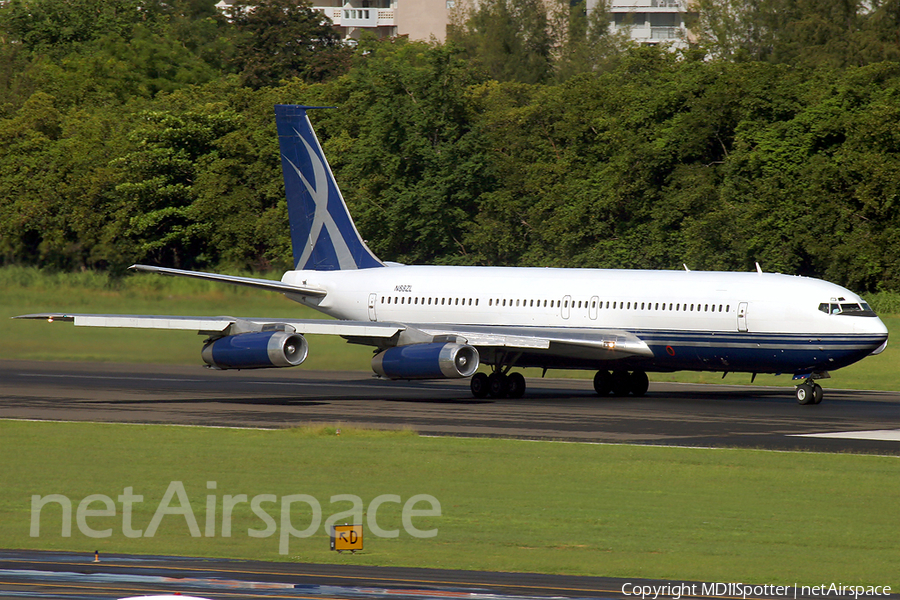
(805, 394)
(515, 385)
(639, 383)
(621, 383)
(497, 385)
(818, 393)
(479, 385)
(603, 383)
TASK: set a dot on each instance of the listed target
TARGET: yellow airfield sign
(347, 537)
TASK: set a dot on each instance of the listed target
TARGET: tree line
(136, 131)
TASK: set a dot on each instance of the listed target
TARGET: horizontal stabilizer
(263, 284)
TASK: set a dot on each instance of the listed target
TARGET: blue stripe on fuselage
(760, 352)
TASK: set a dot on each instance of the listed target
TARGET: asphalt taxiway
(557, 409)
(75, 576)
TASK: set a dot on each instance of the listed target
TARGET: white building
(645, 21)
(351, 17)
(652, 21)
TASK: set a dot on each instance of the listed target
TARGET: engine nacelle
(258, 350)
(427, 361)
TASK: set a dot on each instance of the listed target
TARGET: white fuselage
(688, 320)
(584, 298)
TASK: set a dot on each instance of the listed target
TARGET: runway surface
(558, 409)
(73, 576)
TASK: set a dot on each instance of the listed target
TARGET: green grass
(507, 505)
(24, 290)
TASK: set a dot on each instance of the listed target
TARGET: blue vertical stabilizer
(323, 235)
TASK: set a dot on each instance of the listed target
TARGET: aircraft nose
(876, 327)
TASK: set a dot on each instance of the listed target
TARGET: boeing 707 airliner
(433, 322)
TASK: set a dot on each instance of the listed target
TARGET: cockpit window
(847, 308)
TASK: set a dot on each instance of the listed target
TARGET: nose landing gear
(809, 392)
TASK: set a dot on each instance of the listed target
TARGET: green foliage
(531, 41)
(811, 33)
(402, 146)
(509, 39)
(282, 39)
(547, 142)
(48, 25)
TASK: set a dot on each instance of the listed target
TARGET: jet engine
(427, 361)
(257, 350)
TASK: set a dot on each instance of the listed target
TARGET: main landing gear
(809, 392)
(621, 383)
(502, 384)
(498, 385)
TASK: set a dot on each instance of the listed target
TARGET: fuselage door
(567, 300)
(742, 316)
(372, 299)
(592, 308)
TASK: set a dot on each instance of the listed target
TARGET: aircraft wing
(263, 284)
(224, 325)
(597, 344)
